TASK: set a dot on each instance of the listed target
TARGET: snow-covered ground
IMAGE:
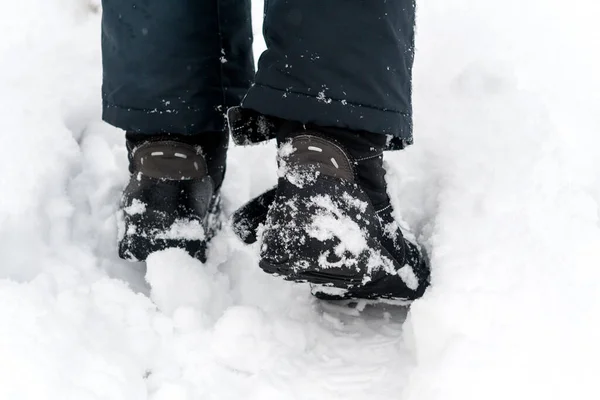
(502, 185)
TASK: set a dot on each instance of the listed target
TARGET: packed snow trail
(502, 186)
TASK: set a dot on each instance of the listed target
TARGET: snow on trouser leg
(321, 227)
(170, 201)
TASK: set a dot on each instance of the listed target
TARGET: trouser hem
(176, 121)
(264, 109)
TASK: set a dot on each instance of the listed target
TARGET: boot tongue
(169, 160)
(309, 154)
(212, 146)
(363, 149)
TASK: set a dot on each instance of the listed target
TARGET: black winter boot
(172, 199)
(329, 221)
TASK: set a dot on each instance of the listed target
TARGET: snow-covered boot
(172, 199)
(330, 222)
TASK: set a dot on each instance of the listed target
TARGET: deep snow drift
(502, 186)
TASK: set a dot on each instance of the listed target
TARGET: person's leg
(174, 66)
(333, 87)
(171, 69)
(345, 64)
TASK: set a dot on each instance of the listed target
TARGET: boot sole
(376, 287)
(314, 274)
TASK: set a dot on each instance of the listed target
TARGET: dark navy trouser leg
(339, 63)
(174, 66)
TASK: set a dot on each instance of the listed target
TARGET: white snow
(183, 229)
(136, 207)
(502, 187)
(284, 150)
(330, 222)
(408, 276)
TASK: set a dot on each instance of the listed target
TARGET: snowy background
(502, 185)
